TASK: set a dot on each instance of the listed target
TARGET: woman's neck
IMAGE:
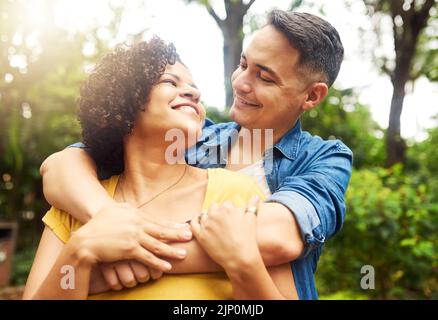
(147, 169)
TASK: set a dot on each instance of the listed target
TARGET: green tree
(341, 116)
(422, 160)
(232, 31)
(42, 70)
(411, 37)
(391, 225)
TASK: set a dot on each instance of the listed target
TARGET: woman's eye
(172, 82)
(242, 66)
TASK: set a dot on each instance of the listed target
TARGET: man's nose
(240, 82)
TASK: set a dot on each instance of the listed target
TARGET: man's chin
(239, 116)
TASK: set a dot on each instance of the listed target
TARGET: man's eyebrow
(265, 68)
(178, 78)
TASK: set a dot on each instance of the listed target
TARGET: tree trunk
(232, 33)
(232, 50)
(395, 145)
(405, 42)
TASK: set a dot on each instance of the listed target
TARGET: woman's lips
(187, 108)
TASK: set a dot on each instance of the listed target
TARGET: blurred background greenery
(392, 200)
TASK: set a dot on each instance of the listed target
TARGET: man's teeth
(250, 104)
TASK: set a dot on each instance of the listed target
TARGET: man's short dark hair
(317, 41)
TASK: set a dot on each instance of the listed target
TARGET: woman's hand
(228, 234)
(123, 234)
(128, 274)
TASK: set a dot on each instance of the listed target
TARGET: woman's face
(173, 104)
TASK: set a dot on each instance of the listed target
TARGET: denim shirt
(306, 174)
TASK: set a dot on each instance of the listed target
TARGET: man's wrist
(78, 249)
(97, 205)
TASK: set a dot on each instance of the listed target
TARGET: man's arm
(305, 211)
(278, 238)
(70, 183)
(316, 196)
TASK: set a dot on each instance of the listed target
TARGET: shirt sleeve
(316, 197)
(59, 222)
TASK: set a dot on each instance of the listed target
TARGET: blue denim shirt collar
(220, 135)
(288, 144)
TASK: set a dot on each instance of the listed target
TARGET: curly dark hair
(115, 92)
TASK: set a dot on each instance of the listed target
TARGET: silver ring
(252, 209)
(203, 213)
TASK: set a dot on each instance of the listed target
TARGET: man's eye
(242, 66)
(266, 80)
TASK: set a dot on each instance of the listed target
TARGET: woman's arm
(251, 280)
(108, 237)
(45, 280)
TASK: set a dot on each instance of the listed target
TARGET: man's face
(268, 91)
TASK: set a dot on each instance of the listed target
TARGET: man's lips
(188, 107)
(243, 102)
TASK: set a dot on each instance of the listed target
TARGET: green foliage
(391, 219)
(37, 108)
(217, 116)
(390, 224)
(22, 263)
(341, 116)
(422, 161)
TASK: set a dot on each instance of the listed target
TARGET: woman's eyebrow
(178, 78)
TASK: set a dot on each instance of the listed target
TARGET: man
(285, 71)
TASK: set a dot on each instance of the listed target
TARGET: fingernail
(187, 235)
(167, 266)
(181, 225)
(181, 253)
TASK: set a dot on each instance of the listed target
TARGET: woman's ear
(316, 93)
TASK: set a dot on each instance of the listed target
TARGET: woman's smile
(189, 108)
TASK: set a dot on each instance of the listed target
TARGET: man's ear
(315, 94)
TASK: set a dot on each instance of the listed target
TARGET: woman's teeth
(187, 109)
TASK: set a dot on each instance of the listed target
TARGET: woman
(134, 97)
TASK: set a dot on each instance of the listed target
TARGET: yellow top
(222, 185)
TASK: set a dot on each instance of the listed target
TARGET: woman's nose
(192, 93)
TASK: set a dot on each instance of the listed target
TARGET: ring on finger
(203, 214)
(252, 209)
